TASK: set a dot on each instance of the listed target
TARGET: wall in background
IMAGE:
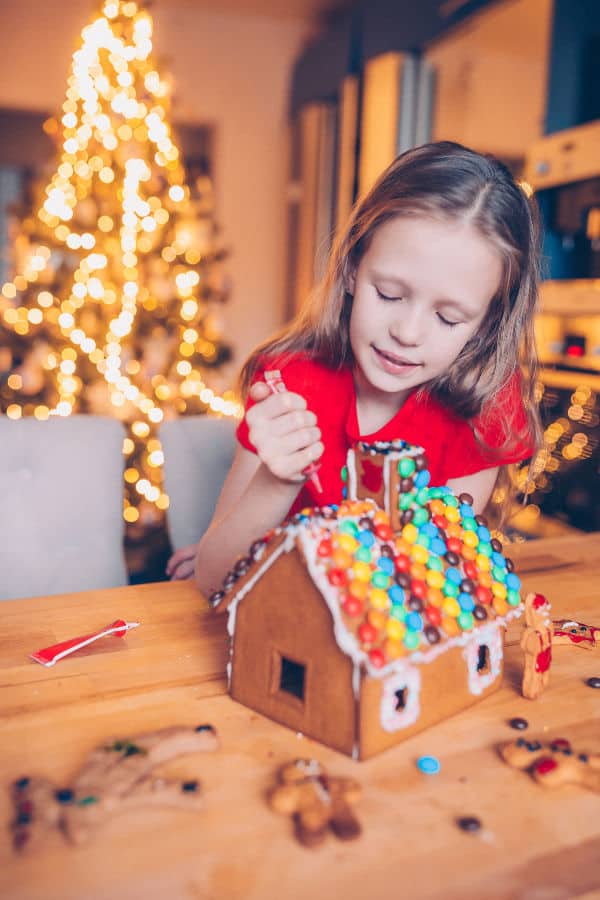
(231, 71)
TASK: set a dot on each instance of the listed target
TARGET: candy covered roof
(393, 596)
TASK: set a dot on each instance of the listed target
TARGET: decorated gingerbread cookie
(566, 631)
(117, 775)
(536, 642)
(316, 801)
(554, 763)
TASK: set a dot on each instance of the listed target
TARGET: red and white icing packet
(50, 655)
(276, 385)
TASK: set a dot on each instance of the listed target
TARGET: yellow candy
(483, 562)
(499, 590)
(435, 579)
(347, 542)
(452, 514)
(395, 629)
(500, 606)
(402, 547)
(393, 649)
(341, 559)
(451, 606)
(450, 626)
(376, 618)
(362, 571)
(437, 507)
(420, 554)
(379, 598)
(470, 539)
(410, 533)
(358, 589)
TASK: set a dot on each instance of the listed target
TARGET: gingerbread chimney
(392, 473)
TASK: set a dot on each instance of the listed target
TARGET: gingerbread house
(361, 625)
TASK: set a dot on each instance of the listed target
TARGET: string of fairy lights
(116, 147)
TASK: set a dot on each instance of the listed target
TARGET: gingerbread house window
(400, 703)
(292, 677)
(400, 698)
(483, 659)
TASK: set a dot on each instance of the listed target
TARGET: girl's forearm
(262, 506)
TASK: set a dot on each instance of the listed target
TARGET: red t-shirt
(448, 440)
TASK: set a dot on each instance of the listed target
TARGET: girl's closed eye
(447, 322)
(383, 296)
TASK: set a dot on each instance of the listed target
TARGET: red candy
(384, 531)
(418, 588)
(433, 615)
(402, 562)
(376, 658)
(545, 764)
(324, 548)
(366, 633)
(337, 577)
(483, 594)
(440, 521)
(471, 570)
(454, 545)
(352, 606)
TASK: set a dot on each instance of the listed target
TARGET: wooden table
(534, 843)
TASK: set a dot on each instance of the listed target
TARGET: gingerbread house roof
(394, 596)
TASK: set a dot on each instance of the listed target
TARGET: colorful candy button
(430, 765)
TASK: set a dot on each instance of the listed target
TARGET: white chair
(198, 453)
(61, 505)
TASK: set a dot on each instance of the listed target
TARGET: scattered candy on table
(429, 764)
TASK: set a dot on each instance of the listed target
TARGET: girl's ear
(350, 281)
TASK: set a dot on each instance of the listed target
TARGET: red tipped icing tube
(276, 385)
(50, 655)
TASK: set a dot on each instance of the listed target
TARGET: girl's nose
(408, 327)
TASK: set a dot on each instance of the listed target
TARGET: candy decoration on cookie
(536, 642)
(566, 631)
(117, 775)
(554, 763)
(316, 801)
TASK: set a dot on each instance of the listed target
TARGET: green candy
(469, 524)
(344, 473)
(450, 589)
(364, 554)
(349, 528)
(405, 501)
(86, 801)
(465, 620)
(379, 579)
(435, 493)
(422, 496)
(485, 549)
(513, 598)
(423, 540)
(498, 574)
(421, 516)
(411, 639)
(435, 563)
(398, 612)
(451, 500)
(406, 467)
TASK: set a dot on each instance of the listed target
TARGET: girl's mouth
(396, 365)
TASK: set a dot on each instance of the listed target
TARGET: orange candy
(418, 570)
(500, 606)
(485, 578)
(342, 559)
(376, 618)
(450, 626)
(468, 552)
(435, 596)
(358, 589)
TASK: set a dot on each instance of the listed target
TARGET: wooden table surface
(534, 844)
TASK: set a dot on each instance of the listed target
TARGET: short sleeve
(499, 436)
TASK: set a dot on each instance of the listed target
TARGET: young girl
(417, 332)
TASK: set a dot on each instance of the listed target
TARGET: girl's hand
(284, 433)
(181, 563)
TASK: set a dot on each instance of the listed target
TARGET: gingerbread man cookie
(115, 776)
(316, 801)
(555, 763)
(566, 631)
(537, 645)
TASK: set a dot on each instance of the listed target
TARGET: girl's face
(421, 291)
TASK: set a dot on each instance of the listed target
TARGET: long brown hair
(448, 181)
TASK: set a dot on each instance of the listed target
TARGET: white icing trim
(490, 636)
(391, 718)
(351, 470)
(386, 485)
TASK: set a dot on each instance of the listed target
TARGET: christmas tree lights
(113, 309)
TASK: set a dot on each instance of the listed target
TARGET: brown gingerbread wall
(284, 615)
(444, 691)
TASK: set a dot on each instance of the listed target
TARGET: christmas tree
(113, 307)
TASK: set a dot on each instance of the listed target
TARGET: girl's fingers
(269, 406)
(291, 466)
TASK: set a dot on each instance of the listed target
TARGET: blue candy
(513, 582)
(429, 764)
